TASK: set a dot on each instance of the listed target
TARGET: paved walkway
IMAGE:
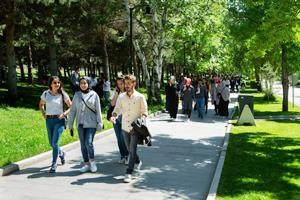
(179, 165)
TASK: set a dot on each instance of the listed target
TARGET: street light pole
(131, 39)
(148, 12)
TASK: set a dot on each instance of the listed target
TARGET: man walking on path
(132, 105)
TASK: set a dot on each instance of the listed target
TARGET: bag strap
(87, 105)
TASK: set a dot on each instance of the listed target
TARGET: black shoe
(63, 157)
(53, 168)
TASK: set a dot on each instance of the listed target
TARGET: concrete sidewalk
(180, 165)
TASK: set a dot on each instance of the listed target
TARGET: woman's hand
(61, 116)
(113, 119)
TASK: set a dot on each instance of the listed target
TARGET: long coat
(172, 99)
(188, 97)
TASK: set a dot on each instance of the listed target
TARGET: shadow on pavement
(177, 167)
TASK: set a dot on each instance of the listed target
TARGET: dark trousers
(131, 141)
(223, 111)
(188, 112)
(216, 108)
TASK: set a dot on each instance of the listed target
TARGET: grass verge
(262, 162)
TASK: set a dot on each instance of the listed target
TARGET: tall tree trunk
(162, 76)
(257, 77)
(158, 40)
(21, 66)
(29, 64)
(146, 74)
(284, 78)
(1, 64)
(136, 71)
(10, 51)
(105, 54)
(51, 44)
(40, 72)
(141, 57)
(52, 55)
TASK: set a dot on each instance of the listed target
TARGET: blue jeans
(119, 134)
(131, 140)
(200, 106)
(86, 137)
(55, 128)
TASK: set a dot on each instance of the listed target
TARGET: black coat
(140, 128)
(172, 99)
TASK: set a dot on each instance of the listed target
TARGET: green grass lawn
(262, 162)
(23, 134)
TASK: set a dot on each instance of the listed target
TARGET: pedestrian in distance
(86, 110)
(224, 99)
(172, 91)
(215, 97)
(106, 91)
(74, 79)
(132, 105)
(207, 86)
(200, 93)
(188, 97)
(52, 108)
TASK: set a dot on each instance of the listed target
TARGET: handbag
(109, 112)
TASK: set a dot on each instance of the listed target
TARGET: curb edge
(212, 194)
(19, 165)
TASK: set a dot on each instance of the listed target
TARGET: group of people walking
(195, 94)
(85, 108)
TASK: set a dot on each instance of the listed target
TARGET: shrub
(269, 95)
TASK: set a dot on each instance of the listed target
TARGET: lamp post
(148, 12)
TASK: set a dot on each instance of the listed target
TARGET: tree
(10, 22)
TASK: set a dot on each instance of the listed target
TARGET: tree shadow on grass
(28, 96)
(260, 162)
(274, 113)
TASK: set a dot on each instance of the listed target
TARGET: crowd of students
(125, 106)
(195, 92)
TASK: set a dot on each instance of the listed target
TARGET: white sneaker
(126, 161)
(128, 178)
(138, 166)
(84, 169)
(188, 120)
(93, 167)
(122, 161)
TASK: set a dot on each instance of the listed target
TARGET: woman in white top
(106, 91)
(52, 107)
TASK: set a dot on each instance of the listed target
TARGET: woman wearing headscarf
(224, 99)
(172, 97)
(188, 98)
(87, 111)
